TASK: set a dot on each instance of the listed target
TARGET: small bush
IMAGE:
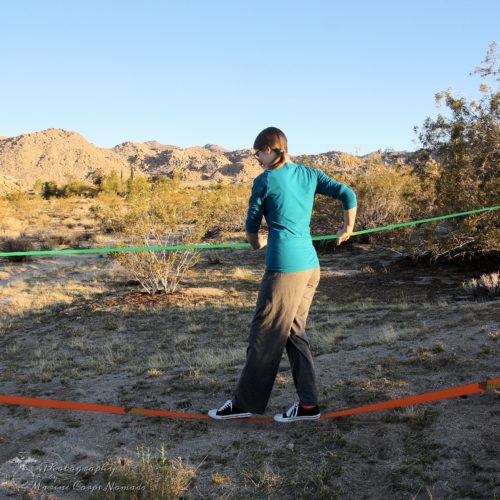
(81, 240)
(158, 214)
(78, 188)
(224, 208)
(386, 195)
(465, 143)
(50, 189)
(486, 284)
(20, 244)
(159, 270)
(110, 213)
(112, 183)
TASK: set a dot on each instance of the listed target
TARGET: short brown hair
(274, 139)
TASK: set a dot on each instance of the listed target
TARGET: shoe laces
(226, 405)
(293, 410)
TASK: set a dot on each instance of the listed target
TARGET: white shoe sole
(213, 414)
(279, 418)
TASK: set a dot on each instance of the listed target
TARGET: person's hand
(343, 234)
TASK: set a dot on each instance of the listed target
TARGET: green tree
(50, 189)
(111, 183)
(78, 188)
(467, 145)
(138, 188)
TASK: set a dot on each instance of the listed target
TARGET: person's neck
(279, 165)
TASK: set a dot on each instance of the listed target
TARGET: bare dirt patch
(380, 328)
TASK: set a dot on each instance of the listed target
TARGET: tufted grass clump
(150, 477)
(486, 284)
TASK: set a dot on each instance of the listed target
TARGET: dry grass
(495, 335)
(486, 284)
(265, 479)
(243, 274)
(29, 214)
(152, 477)
(71, 329)
(22, 296)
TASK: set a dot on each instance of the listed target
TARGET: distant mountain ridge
(63, 156)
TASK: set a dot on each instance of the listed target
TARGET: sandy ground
(380, 328)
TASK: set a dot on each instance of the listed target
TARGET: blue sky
(333, 75)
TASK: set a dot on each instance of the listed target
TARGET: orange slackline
(453, 392)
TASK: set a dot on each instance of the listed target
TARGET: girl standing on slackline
(284, 193)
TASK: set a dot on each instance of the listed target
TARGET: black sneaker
(298, 412)
(228, 410)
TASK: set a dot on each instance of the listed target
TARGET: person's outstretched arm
(330, 187)
(346, 230)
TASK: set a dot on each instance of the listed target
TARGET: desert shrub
(158, 202)
(112, 183)
(223, 208)
(171, 205)
(138, 187)
(53, 240)
(50, 189)
(49, 241)
(78, 188)
(158, 270)
(209, 211)
(386, 195)
(467, 145)
(163, 213)
(157, 214)
(20, 244)
(82, 239)
(105, 183)
(486, 284)
(110, 212)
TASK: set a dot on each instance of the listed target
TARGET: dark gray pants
(279, 322)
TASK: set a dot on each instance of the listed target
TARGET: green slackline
(233, 245)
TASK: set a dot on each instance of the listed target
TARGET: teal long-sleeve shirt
(285, 197)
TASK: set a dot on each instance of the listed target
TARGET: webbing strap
(453, 392)
(232, 245)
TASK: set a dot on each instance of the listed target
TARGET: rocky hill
(54, 154)
(62, 156)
